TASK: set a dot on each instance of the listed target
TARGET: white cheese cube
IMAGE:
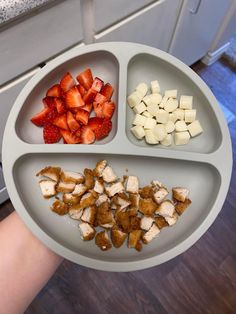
(170, 126)
(180, 126)
(181, 138)
(171, 93)
(152, 109)
(163, 102)
(173, 117)
(134, 99)
(150, 137)
(190, 115)
(171, 105)
(167, 140)
(139, 120)
(142, 88)
(195, 128)
(179, 114)
(159, 131)
(140, 108)
(154, 99)
(147, 114)
(147, 100)
(186, 102)
(138, 131)
(162, 116)
(155, 87)
(150, 123)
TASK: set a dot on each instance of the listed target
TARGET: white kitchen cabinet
(197, 26)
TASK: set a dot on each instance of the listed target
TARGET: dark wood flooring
(202, 280)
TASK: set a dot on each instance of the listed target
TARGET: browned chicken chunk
(117, 236)
(52, 173)
(87, 200)
(71, 199)
(104, 216)
(102, 240)
(100, 166)
(161, 222)
(146, 192)
(180, 193)
(134, 238)
(48, 188)
(87, 231)
(64, 187)
(181, 206)
(70, 176)
(147, 206)
(123, 221)
(60, 207)
(89, 214)
(89, 178)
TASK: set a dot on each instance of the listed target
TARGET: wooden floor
(202, 280)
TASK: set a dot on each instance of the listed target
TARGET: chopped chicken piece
(52, 173)
(161, 222)
(100, 166)
(71, 199)
(147, 206)
(134, 237)
(48, 188)
(87, 231)
(87, 200)
(101, 199)
(104, 216)
(146, 223)
(123, 220)
(109, 175)
(139, 246)
(114, 188)
(135, 223)
(70, 176)
(146, 192)
(75, 212)
(65, 187)
(60, 207)
(156, 183)
(124, 196)
(180, 194)
(132, 184)
(132, 211)
(134, 200)
(117, 200)
(160, 195)
(102, 240)
(98, 187)
(89, 214)
(181, 206)
(79, 189)
(151, 234)
(117, 237)
(166, 209)
(89, 179)
(172, 220)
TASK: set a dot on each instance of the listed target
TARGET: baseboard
(212, 57)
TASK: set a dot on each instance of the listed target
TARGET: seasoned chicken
(64, 187)
(117, 236)
(150, 234)
(123, 220)
(71, 199)
(132, 185)
(181, 206)
(75, 212)
(147, 206)
(104, 217)
(114, 188)
(108, 175)
(161, 222)
(60, 207)
(172, 220)
(160, 195)
(134, 238)
(100, 166)
(89, 178)
(157, 184)
(48, 188)
(70, 176)
(102, 240)
(87, 200)
(166, 209)
(52, 173)
(101, 199)
(89, 214)
(117, 200)
(146, 222)
(146, 192)
(98, 186)
(135, 222)
(134, 200)
(87, 231)
(180, 193)
(79, 189)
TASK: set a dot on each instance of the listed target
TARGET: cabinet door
(153, 25)
(196, 28)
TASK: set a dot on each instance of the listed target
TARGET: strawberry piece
(81, 89)
(87, 107)
(73, 98)
(61, 122)
(87, 135)
(100, 98)
(82, 116)
(69, 137)
(54, 91)
(78, 132)
(108, 109)
(67, 82)
(90, 96)
(103, 130)
(44, 116)
(72, 123)
(49, 102)
(98, 109)
(51, 134)
(85, 79)
(95, 123)
(107, 91)
(97, 84)
(60, 105)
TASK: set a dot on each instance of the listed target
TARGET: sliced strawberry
(87, 107)
(77, 132)
(54, 91)
(44, 116)
(72, 123)
(97, 84)
(61, 121)
(90, 96)
(108, 109)
(100, 98)
(85, 79)
(81, 89)
(95, 123)
(107, 91)
(49, 102)
(103, 130)
(87, 135)
(98, 109)
(51, 134)
(82, 116)
(60, 105)
(69, 137)
(73, 98)
(67, 82)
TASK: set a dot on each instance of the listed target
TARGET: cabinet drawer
(153, 25)
(38, 37)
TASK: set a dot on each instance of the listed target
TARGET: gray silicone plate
(204, 165)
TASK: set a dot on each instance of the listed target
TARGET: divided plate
(204, 165)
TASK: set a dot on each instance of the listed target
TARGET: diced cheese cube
(150, 123)
(138, 131)
(186, 102)
(163, 102)
(180, 126)
(139, 120)
(140, 108)
(190, 115)
(167, 140)
(171, 105)
(179, 114)
(195, 128)
(170, 126)
(154, 99)
(152, 109)
(171, 93)
(142, 88)
(159, 131)
(150, 137)
(181, 138)
(155, 87)
(134, 99)
(162, 116)
(147, 114)
(173, 117)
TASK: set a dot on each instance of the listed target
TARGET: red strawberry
(95, 123)
(60, 105)
(107, 91)
(100, 98)
(77, 132)
(61, 122)
(73, 98)
(44, 116)
(87, 107)
(97, 84)
(87, 135)
(108, 109)
(89, 96)
(103, 130)
(98, 109)
(69, 137)
(54, 91)
(81, 89)
(49, 102)
(85, 79)
(51, 134)
(72, 123)
(67, 82)
(82, 116)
